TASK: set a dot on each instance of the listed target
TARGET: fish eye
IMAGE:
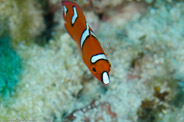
(94, 69)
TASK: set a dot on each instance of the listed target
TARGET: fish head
(101, 71)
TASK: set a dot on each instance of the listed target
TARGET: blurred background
(43, 78)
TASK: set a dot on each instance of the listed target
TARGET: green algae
(10, 68)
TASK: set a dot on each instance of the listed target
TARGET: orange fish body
(90, 49)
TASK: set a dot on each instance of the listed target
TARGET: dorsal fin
(75, 22)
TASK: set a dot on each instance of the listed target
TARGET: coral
(157, 43)
(175, 115)
(156, 46)
(40, 94)
(10, 68)
(104, 107)
(103, 4)
(52, 17)
(145, 51)
(150, 110)
(24, 18)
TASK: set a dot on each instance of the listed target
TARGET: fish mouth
(105, 78)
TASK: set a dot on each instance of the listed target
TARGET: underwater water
(43, 77)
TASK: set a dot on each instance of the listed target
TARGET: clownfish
(89, 47)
